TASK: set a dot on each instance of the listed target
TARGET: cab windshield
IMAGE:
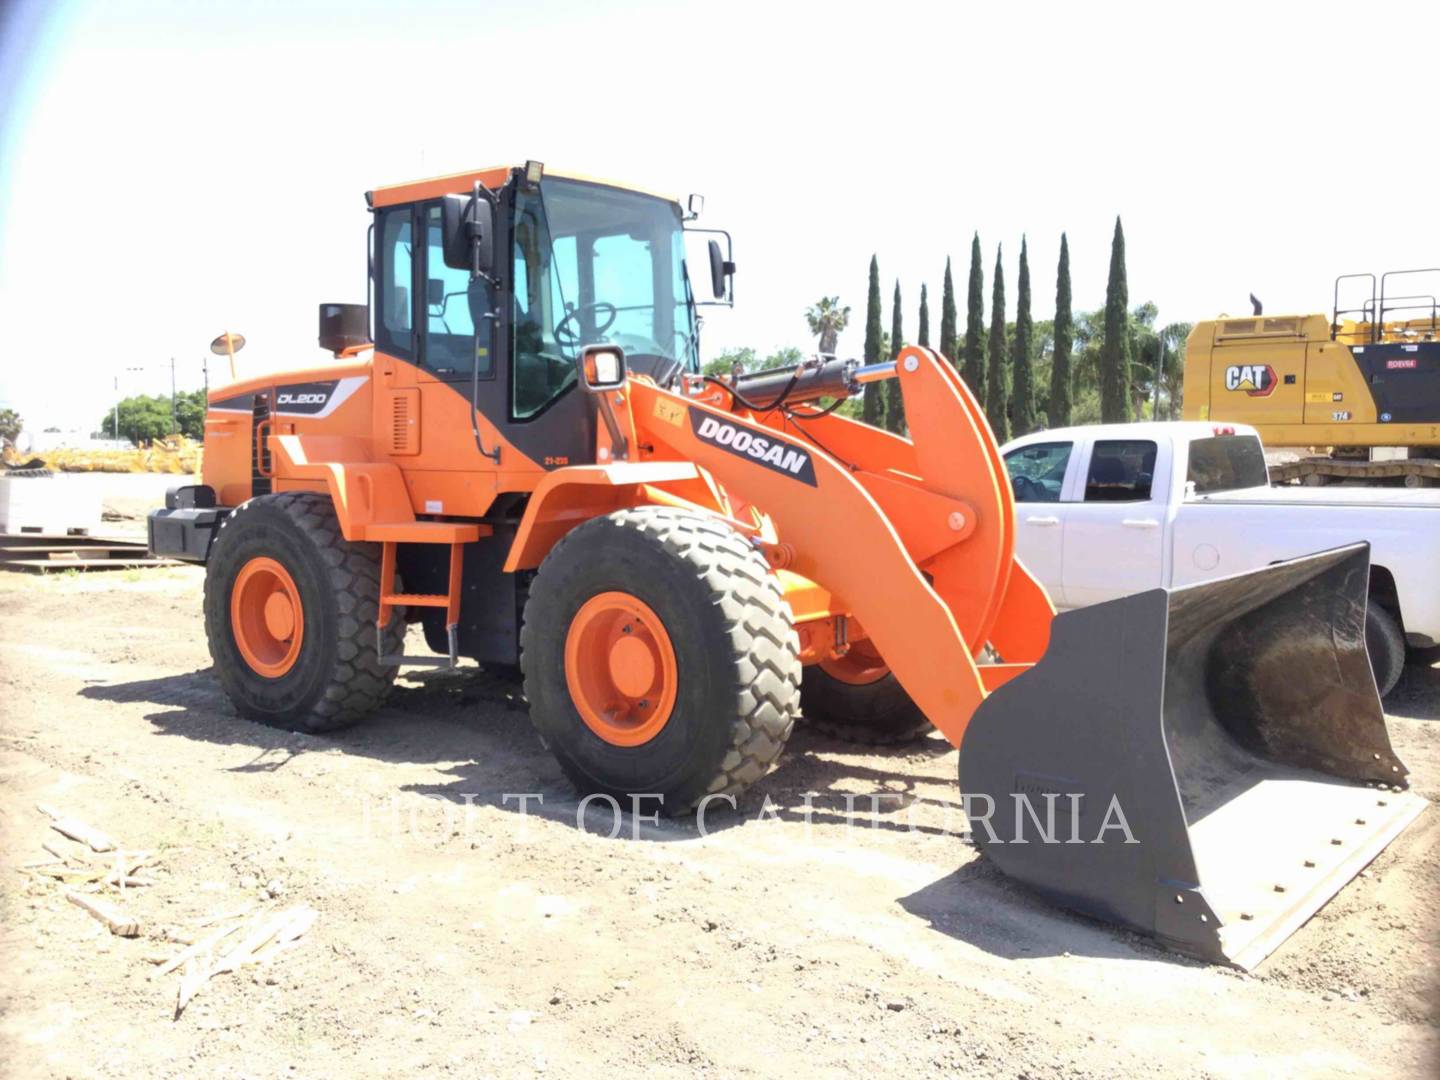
(596, 264)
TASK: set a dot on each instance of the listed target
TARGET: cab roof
(493, 177)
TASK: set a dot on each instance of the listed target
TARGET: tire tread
(358, 683)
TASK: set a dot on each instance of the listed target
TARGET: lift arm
(924, 560)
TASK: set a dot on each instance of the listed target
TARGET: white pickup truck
(1112, 509)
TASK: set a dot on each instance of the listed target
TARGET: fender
(572, 496)
(366, 493)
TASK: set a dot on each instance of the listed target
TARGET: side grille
(405, 422)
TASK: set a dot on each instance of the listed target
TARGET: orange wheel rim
(620, 668)
(266, 617)
(860, 666)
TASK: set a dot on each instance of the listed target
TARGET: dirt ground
(459, 936)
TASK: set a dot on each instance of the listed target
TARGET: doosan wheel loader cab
(532, 467)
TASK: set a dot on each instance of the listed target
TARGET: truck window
(1120, 471)
(1037, 471)
(1227, 463)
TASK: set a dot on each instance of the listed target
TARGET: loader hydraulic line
(803, 383)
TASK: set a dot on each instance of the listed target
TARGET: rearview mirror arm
(480, 191)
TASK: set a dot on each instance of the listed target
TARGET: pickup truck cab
(1112, 509)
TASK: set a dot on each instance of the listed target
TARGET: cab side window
(454, 308)
(1037, 471)
(546, 326)
(1121, 470)
(394, 282)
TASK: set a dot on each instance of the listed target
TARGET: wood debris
(240, 937)
(120, 922)
(204, 945)
(76, 829)
(263, 936)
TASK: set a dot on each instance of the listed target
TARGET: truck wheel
(857, 699)
(1386, 645)
(290, 610)
(659, 658)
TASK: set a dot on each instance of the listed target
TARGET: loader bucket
(1216, 758)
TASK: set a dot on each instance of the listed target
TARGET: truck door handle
(1042, 521)
(1140, 523)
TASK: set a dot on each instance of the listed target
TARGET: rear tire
(1386, 644)
(729, 644)
(876, 713)
(331, 677)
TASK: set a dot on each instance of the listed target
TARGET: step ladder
(457, 535)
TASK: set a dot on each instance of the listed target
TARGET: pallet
(42, 566)
(41, 554)
(9, 531)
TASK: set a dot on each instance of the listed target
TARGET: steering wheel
(567, 330)
(1027, 490)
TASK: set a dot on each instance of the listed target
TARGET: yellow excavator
(1363, 385)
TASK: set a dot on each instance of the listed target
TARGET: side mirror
(718, 269)
(467, 224)
(602, 367)
(435, 292)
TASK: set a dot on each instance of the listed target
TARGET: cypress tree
(894, 400)
(872, 409)
(974, 369)
(996, 403)
(949, 342)
(1022, 388)
(1059, 413)
(1115, 355)
(923, 336)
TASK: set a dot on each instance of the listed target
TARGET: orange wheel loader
(515, 448)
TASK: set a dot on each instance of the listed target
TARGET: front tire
(659, 658)
(290, 608)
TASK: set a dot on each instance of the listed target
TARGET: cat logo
(1257, 380)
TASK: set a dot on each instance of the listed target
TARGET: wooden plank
(67, 539)
(44, 565)
(120, 922)
(76, 829)
(204, 945)
(22, 550)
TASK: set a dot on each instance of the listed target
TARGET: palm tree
(827, 319)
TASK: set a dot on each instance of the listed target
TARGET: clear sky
(171, 170)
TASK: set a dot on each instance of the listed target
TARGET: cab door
(1038, 472)
(1114, 543)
